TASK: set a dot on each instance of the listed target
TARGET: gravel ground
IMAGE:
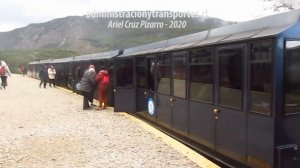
(48, 128)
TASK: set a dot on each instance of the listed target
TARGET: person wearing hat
(51, 75)
(103, 88)
(91, 94)
(87, 84)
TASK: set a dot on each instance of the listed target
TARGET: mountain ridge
(78, 35)
(88, 35)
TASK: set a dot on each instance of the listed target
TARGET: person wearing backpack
(4, 71)
(103, 87)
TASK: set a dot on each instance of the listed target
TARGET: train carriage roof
(48, 61)
(41, 62)
(263, 27)
(97, 56)
(33, 62)
(63, 60)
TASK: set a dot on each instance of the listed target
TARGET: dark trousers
(4, 81)
(52, 81)
(91, 96)
(43, 81)
(86, 98)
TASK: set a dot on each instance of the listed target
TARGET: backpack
(2, 70)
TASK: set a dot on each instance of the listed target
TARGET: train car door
(178, 100)
(172, 105)
(109, 64)
(124, 92)
(151, 86)
(229, 100)
(78, 70)
(145, 81)
(201, 86)
(70, 75)
(163, 94)
(141, 83)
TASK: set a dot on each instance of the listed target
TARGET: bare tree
(283, 5)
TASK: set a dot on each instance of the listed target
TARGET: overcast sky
(19, 13)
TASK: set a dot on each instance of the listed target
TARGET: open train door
(124, 92)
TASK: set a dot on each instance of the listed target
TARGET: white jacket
(51, 73)
(3, 63)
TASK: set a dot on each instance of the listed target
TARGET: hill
(78, 35)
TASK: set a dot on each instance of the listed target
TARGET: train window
(140, 72)
(230, 77)
(179, 74)
(163, 74)
(201, 72)
(292, 78)
(261, 77)
(124, 70)
(78, 72)
(99, 65)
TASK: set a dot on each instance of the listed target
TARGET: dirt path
(48, 128)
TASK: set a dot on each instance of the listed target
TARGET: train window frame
(242, 46)
(136, 71)
(212, 50)
(186, 54)
(271, 75)
(157, 72)
(284, 77)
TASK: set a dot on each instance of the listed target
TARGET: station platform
(48, 128)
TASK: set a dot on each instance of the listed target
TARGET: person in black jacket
(43, 75)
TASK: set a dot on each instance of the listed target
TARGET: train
(232, 93)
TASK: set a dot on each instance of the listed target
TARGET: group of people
(4, 72)
(47, 74)
(88, 84)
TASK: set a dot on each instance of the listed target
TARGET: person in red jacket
(103, 85)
